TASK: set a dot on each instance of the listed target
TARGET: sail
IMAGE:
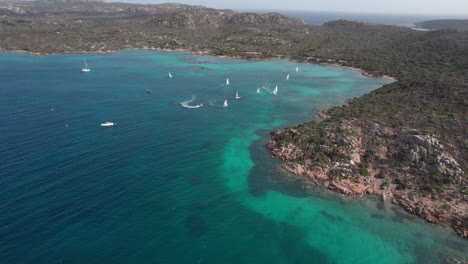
(227, 82)
(170, 75)
(258, 90)
(297, 68)
(86, 67)
(287, 77)
(275, 91)
(237, 95)
(225, 103)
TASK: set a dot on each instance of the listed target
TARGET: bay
(169, 184)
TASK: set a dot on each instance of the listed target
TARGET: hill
(461, 24)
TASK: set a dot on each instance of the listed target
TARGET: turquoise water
(169, 184)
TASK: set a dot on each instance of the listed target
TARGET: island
(406, 141)
(461, 24)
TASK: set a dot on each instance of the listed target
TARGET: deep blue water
(169, 184)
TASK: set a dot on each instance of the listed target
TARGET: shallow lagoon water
(169, 184)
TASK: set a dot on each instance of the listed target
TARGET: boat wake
(214, 103)
(186, 103)
(266, 89)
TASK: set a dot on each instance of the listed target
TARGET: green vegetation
(426, 188)
(381, 175)
(363, 172)
(446, 207)
(444, 24)
(402, 185)
(430, 96)
(384, 185)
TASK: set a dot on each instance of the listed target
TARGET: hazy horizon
(397, 7)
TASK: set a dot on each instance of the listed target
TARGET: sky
(455, 7)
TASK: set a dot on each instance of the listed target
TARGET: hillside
(407, 139)
(461, 24)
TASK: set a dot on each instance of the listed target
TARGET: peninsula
(406, 141)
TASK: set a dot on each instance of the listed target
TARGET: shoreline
(363, 72)
(207, 52)
(348, 177)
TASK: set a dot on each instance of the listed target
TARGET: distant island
(406, 141)
(461, 24)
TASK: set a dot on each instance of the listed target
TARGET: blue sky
(365, 6)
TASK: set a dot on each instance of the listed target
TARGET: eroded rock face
(413, 169)
(10, 9)
(425, 153)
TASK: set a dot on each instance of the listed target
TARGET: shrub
(366, 157)
(363, 172)
(402, 185)
(384, 185)
(446, 207)
(381, 175)
(426, 188)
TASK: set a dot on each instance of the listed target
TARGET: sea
(173, 184)
(321, 17)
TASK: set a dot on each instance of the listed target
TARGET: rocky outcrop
(10, 9)
(414, 169)
(210, 18)
(426, 153)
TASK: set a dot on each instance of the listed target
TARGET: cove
(170, 184)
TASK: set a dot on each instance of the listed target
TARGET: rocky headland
(412, 169)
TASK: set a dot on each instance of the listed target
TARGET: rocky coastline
(389, 144)
(411, 169)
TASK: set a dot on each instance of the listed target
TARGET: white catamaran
(225, 103)
(237, 95)
(275, 91)
(170, 75)
(86, 68)
(227, 81)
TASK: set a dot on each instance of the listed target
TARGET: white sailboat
(287, 77)
(227, 81)
(106, 124)
(275, 91)
(237, 95)
(297, 68)
(170, 75)
(86, 68)
(225, 103)
(258, 90)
